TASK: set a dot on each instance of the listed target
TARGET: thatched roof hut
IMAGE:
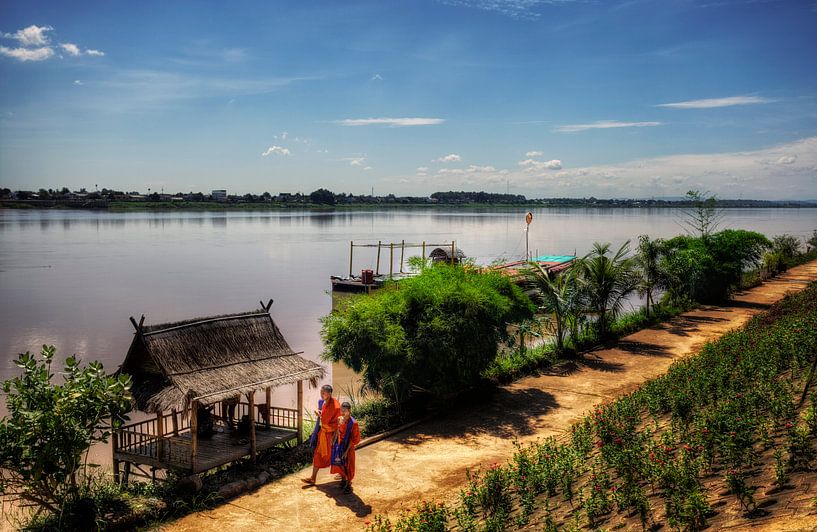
(443, 254)
(211, 359)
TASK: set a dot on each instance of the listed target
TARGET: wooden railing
(142, 438)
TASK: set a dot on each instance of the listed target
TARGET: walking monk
(323, 437)
(347, 439)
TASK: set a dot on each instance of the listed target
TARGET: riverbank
(430, 461)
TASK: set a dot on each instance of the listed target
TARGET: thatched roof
(444, 254)
(211, 359)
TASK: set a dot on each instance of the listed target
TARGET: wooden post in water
(269, 406)
(160, 436)
(391, 259)
(351, 252)
(424, 253)
(402, 253)
(300, 420)
(377, 268)
(194, 434)
(452, 252)
(251, 401)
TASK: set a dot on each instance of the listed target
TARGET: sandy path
(429, 460)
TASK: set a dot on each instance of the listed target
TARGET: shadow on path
(345, 500)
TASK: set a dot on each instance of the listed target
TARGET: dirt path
(430, 460)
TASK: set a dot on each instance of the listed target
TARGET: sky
(547, 98)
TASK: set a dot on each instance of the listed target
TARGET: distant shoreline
(173, 206)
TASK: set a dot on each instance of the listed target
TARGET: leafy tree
(608, 280)
(433, 333)
(322, 197)
(651, 277)
(558, 296)
(812, 241)
(704, 216)
(788, 246)
(50, 427)
(709, 269)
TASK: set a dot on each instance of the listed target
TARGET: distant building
(219, 195)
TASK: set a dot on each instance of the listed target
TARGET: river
(72, 278)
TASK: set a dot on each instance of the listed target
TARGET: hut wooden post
(114, 440)
(194, 433)
(402, 253)
(269, 407)
(424, 252)
(391, 259)
(300, 420)
(251, 401)
(377, 268)
(351, 253)
(160, 436)
(452, 252)
(175, 421)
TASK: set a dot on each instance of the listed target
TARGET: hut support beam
(269, 407)
(175, 422)
(253, 443)
(300, 420)
(160, 435)
(194, 433)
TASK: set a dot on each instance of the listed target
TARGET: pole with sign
(528, 220)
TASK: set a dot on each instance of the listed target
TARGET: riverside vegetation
(429, 338)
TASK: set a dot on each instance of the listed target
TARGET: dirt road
(429, 461)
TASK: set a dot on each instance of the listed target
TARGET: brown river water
(72, 278)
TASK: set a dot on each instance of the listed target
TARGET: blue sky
(546, 98)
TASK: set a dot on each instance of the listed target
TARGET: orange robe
(330, 412)
(348, 471)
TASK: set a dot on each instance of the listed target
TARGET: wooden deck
(165, 442)
(220, 448)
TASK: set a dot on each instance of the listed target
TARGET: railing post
(251, 408)
(269, 407)
(194, 434)
(377, 268)
(402, 253)
(452, 252)
(351, 253)
(160, 435)
(300, 418)
(391, 259)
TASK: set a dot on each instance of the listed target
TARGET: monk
(348, 437)
(328, 419)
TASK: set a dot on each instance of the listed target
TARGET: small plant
(781, 475)
(799, 448)
(736, 482)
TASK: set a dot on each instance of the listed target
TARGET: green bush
(50, 427)
(434, 333)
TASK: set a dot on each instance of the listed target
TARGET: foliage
(607, 281)
(558, 296)
(788, 246)
(51, 426)
(322, 197)
(709, 269)
(703, 217)
(651, 277)
(433, 333)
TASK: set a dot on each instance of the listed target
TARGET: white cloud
(393, 122)
(532, 165)
(787, 159)
(367, 168)
(377, 77)
(70, 48)
(28, 54)
(602, 124)
(96, 53)
(78, 82)
(534, 154)
(450, 158)
(359, 160)
(711, 103)
(422, 168)
(32, 36)
(272, 150)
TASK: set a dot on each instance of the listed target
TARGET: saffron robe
(348, 471)
(330, 412)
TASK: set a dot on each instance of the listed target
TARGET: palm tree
(555, 295)
(607, 282)
(651, 276)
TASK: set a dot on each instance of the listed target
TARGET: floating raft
(550, 263)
